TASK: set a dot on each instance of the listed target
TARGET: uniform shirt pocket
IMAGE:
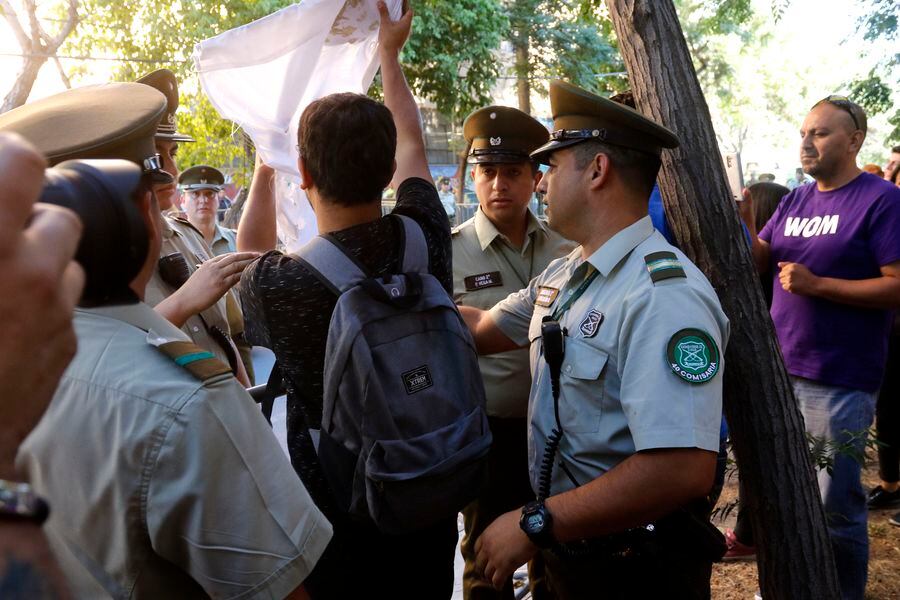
(581, 386)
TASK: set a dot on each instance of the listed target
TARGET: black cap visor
(542, 154)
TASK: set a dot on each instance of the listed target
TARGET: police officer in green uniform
(190, 287)
(626, 342)
(202, 185)
(153, 457)
(495, 253)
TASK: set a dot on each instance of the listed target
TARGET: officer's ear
(599, 171)
(538, 175)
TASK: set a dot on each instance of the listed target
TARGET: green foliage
(221, 145)
(872, 93)
(566, 39)
(450, 57)
(881, 20)
(163, 34)
(852, 444)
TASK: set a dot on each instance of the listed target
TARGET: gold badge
(546, 296)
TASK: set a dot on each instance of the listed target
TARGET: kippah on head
(164, 81)
(201, 177)
(579, 115)
(113, 120)
(500, 134)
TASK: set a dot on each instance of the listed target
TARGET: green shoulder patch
(663, 265)
(693, 355)
(200, 363)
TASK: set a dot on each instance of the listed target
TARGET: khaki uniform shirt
(179, 236)
(620, 391)
(162, 485)
(224, 240)
(486, 269)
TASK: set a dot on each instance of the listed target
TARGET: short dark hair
(348, 142)
(896, 149)
(638, 169)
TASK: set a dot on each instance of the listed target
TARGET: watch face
(536, 522)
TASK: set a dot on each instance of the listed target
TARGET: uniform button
(568, 368)
(570, 292)
(196, 329)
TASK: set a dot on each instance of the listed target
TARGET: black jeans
(361, 562)
(672, 574)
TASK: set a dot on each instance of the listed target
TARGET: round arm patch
(693, 355)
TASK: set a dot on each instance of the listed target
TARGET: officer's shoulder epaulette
(184, 221)
(663, 265)
(200, 363)
(461, 227)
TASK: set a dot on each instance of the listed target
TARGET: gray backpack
(404, 436)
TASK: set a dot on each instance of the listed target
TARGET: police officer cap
(500, 134)
(579, 115)
(201, 177)
(113, 120)
(164, 81)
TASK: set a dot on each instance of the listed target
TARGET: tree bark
(22, 86)
(794, 553)
(523, 86)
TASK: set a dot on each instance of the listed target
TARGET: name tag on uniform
(485, 280)
(546, 296)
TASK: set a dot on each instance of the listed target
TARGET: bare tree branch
(10, 14)
(62, 73)
(31, 9)
(68, 26)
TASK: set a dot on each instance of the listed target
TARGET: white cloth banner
(264, 74)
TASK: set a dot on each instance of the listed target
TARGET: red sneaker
(737, 550)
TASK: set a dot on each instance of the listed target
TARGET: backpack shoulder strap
(330, 263)
(415, 248)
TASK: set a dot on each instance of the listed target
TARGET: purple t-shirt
(847, 233)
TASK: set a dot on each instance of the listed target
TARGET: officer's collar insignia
(496, 141)
(591, 323)
(663, 265)
(693, 355)
(546, 296)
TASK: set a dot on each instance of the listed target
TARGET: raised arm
(257, 231)
(411, 157)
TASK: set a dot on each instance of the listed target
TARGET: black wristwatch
(537, 523)
(18, 501)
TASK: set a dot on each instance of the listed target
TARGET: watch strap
(542, 538)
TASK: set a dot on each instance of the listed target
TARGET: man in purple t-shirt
(834, 246)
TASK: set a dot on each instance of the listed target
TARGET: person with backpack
(385, 407)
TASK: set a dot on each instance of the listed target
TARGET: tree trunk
(523, 86)
(462, 164)
(793, 548)
(24, 82)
